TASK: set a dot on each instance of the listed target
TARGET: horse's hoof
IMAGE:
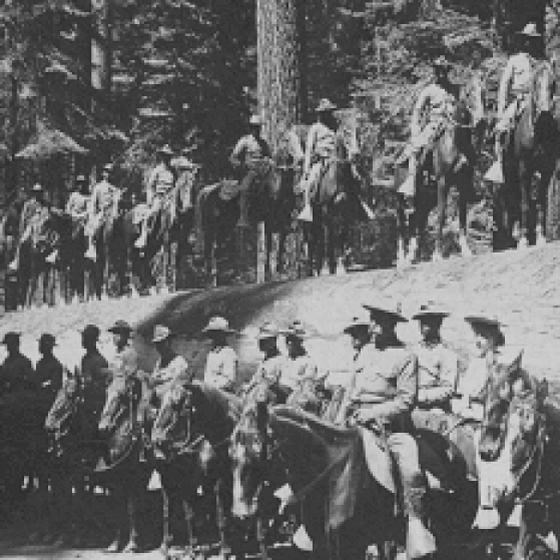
(437, 257)
(522, 243)
(541, 241)
(113, 547)
(131, 548)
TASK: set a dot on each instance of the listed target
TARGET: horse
(528, 164)
(450, 161)
(190, 437)
(337, 202)
(521, 427)
(342, 507)
(74, 447)
(271, 200)
(125, 466)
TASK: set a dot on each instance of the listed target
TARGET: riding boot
(91, 253)
(243, 209)
(306, 215)
(495, 174)
(140, 243)
(419, 540)
(14, 265)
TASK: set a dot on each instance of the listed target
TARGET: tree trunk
(280, 63)
(101, 46)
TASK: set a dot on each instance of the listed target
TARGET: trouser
(309, 186)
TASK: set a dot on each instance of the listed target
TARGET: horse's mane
(222, 404)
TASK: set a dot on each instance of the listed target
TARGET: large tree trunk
(280, 61)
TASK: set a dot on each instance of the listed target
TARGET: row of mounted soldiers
(390, 386)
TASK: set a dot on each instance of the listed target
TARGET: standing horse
(74, 448)
(528, 164)
(521, 427)
(124, 467)
(337, 202)
(191, 437)
(271, 201)
(450, 161)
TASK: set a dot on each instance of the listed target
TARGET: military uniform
(103, 205)
(95, 375)
(33, 215)
(123, 364)
(221, 367)
(16, 374)
(77, 206)
(48, 373)
(516, 85)
(163, 377)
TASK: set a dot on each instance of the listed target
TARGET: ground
(522, 288)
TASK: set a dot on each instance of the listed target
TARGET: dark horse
(270, 201)
(337, 203)
(528, 164)
(191, 436)
(74, 448)
(125, 465)
(523, 428)
(448, 162)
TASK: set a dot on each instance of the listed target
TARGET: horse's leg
(166, 538)
(525, 187)
(261, 538)
(221, 520)
(133, 496)
(119, 498)
(442, 189)
(413, 220)
(542, 206)
(464, 179)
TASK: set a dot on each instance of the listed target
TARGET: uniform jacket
(221, 367)
(77, 205)
(161, 181)
(32, 212)
(16, 374)
(48, 373)
(321, 142)
(436, 100)
(163, 377)
(103, 197)
(298, 372)
(249, 151)
(517, 79)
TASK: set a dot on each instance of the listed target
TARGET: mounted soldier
(16, 372)
(437, 369)
(48, 370)
(124, 363)
(220, 370)
(34, 213)
(159, 192)
(319, 150)
(252, 156)
(516, 86)
(78, 202)
(433, 108)
(379, 399)
(299, 372)
(104, 205)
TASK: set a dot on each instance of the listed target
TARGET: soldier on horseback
(78, 202)
(221, 363)
(103, 205)
(379, 399)
(319, 149)
(437, 366)
(299, 371)
(33, 215)
(124, 363)
(16, 372)
(161, 184)
(48, 369)
(252, 155)
(516, 84)
(433, 107)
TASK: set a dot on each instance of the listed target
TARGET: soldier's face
(267, 345)
(120, 338)
(12, 346)
(255, 130)
(482, 344)
(430, 327)
(294, 346)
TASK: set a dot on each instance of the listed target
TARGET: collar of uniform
(430, 343)
(389, 342)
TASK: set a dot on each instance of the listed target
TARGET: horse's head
(249, 454)
(506, 382)
(174, 420)
(122, 399)
(62, 413)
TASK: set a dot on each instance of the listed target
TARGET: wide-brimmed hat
(255, 120)
(183, 162)
(120, 326)
(217, 324)
(107, 167)
(325, 105)
(166, 150)
(81, 179)
(267, 330)
(357, 323)
(530, 30)
(91, 331)
(441, 62)
(48, 339)
(387, 308)
(430, 309)
(483, 319)
(161, 333)
(11, 335)
(37, 187)
(294, 330)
